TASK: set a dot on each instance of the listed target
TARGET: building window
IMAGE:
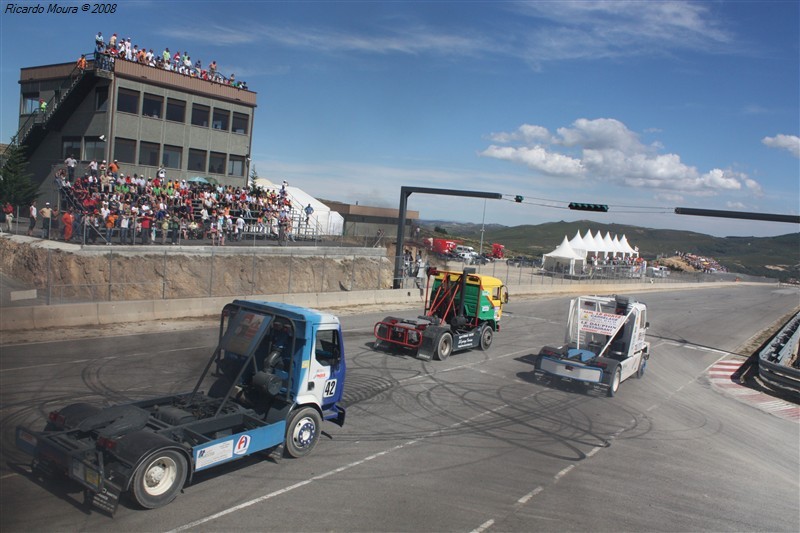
(30, 103)
(236, 166)
(125, 150)
(197, 160)
(176, 110)
(172, 156)
(94, 148)
(127, 101)
(240, 123)
(221, 117)
(148, 154)
(200, 115)
(152, 106)
(71, 146)
(216, 163)
(101, 99)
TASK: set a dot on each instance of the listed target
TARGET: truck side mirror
(505, 295)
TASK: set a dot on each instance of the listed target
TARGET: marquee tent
(564, 259)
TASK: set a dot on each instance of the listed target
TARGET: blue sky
(630, 104)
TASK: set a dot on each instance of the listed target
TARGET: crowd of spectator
(703, 264)
(105, 205)
(118, 48)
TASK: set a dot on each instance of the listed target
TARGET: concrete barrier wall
(98, 313)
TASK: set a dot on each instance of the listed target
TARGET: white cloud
(790, 143)
(606, 151)
(527, 132)
(537, 158)
(606, 29)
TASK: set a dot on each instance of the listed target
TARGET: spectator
(113, 168)
(32, 214)
(124, 224)
(46, 213)
(42, 106)
(81, 63)
(71, 163)
(8, 210)
(99, 42)
(309, 211)
(67, 220)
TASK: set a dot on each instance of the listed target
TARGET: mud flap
(106, 500)
(430, 339)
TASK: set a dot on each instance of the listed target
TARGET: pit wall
(99, 313)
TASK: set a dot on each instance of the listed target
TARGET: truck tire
(614, 379)
(302, 432)
(642, 365)
(444, 347)
(159, 478)
(487, 334)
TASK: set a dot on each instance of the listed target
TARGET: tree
(16, 186)
(254, 188)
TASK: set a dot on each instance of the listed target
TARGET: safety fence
(778, 361)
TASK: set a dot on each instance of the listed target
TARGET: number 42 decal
(330, 388)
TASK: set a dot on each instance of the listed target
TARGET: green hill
(776, 257)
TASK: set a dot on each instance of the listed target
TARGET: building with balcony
(144, 117)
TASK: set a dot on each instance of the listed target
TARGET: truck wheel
(302, 432)
(444, 347)
(487, 334)
(159, 479)
(614, 380)
(640, 370)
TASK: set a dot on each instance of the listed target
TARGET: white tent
(617, 247)
(627, 247)
(578, 245)
(591, 245)
(326, 221)
(563, 259)
(608, 245)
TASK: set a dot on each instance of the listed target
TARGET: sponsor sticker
(213, 454)
(597, 322)
(241, 445)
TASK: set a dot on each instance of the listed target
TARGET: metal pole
(211, 273)
(483, 226)
(109, 274)
(322, 281)
(49, 278)
(291, 266)
(353, 273)
(253, 282)
(164, 278)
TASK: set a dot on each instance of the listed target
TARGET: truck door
(327, 367)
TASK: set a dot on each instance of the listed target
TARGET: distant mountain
(776, 257)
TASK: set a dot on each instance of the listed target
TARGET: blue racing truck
(277, 372)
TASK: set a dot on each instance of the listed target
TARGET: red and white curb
(720, 376)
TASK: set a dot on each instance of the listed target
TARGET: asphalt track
(468, 444)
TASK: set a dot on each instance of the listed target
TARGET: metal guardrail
(777, 361)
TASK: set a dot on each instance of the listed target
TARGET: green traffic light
(588, 207)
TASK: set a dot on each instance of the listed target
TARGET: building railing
(41, 116)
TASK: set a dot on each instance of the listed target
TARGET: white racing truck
(605, 344)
